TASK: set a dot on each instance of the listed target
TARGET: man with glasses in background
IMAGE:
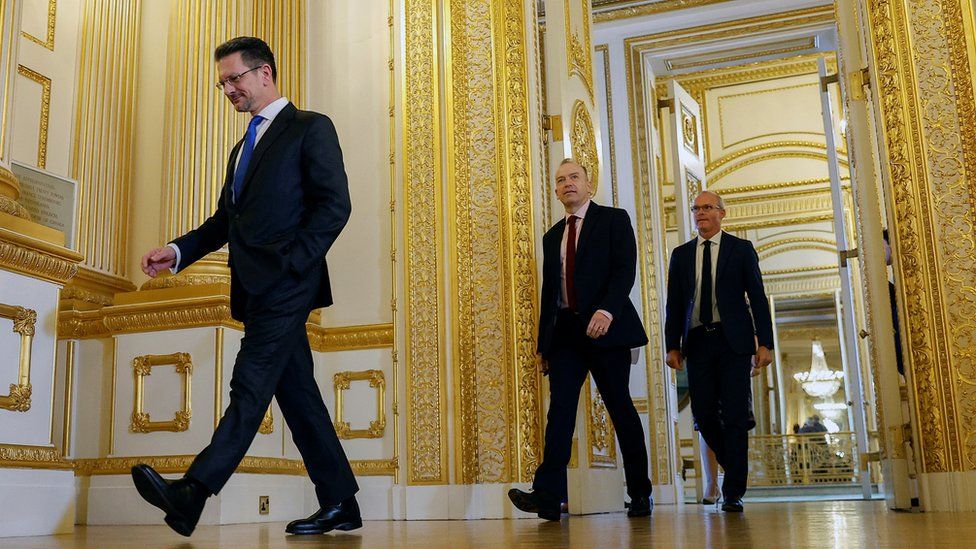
(710, 324)
(284, 201)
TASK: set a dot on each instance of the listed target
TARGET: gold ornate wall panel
(341, 382)
(104, 131)
(496, 413)
(579, 57)
(142, 368)
(427, 441)
(610, 11)
(922, 65)
(201, 125)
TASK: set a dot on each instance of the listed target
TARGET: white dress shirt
(581, 215)
(716, 241)
(269, 112)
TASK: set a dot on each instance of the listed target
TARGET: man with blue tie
(284, 201)
(710, 324)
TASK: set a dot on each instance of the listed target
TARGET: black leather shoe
(733, 505)
(343, 516)
(182, 500)
(540, 503)
(640, 507)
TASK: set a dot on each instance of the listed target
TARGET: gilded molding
(645, 9)
(32, 457)
(33, 257)
(579, 53)
(267, 423)
(611, 140)
(427, 438)
(52, 18)
(583, 139)
(45, 83)
(599, 431)
(24, 321)
(341, 383)
(10, 206)
(253, 465)
(349, 338)
(142, 367)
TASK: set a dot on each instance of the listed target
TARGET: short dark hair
(254, 52)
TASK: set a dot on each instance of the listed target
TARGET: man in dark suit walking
(710, 323)
(587, 324)
(284, 201)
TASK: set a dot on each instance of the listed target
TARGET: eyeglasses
(705, 208)
(233, 80)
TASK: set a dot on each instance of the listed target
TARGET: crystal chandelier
(819, 382)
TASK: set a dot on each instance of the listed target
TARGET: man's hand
(674, 360)
(158, 259)
(543, 365)
(763, 358)
(599, 324)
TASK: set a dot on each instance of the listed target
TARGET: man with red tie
(587, 325)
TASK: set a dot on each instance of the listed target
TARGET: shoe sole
(522, 504)
(150, 490)
(344, 526)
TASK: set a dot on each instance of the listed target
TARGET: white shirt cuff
(601, 311)
(176, 265)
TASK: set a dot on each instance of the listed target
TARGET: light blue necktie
(247, 149)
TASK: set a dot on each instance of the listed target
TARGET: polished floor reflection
(766, 525)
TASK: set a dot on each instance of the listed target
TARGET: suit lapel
(554, 244)
(690, 276)
(593, 214)
(724, 252)
(278, 125)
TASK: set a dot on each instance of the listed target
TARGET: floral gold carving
(583, 139)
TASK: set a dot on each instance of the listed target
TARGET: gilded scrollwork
(24, 321)
(579, 52)
(583, 140)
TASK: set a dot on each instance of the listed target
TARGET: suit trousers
(721, 402)
(573, 355)
(275, 360)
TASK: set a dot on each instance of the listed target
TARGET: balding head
(708, 211)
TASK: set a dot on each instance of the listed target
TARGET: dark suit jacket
(606, 266)
(294, 202)
(737, 275)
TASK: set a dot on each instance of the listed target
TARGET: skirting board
(36, 502)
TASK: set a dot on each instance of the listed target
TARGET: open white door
(687, 155)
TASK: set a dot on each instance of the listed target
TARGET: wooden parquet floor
(763, 525)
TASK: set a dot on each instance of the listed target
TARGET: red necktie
(571, 263)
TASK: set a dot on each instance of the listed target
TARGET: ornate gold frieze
(426, 376)
(250, 464)
(142, 367)
(341, 383)
(348, 338)
(19, 397)
(170, 309)
(33, 250)
(32, 457)
(10, 206)
(583, 139)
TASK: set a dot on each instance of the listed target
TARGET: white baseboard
(36, 502)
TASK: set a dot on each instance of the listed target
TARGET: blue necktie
(246, 150)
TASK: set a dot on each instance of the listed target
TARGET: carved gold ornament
(19, 398)
(583, 140)
(267, 424)
(603, 444)
(142, 367)
(341, 382)
(689, 130)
